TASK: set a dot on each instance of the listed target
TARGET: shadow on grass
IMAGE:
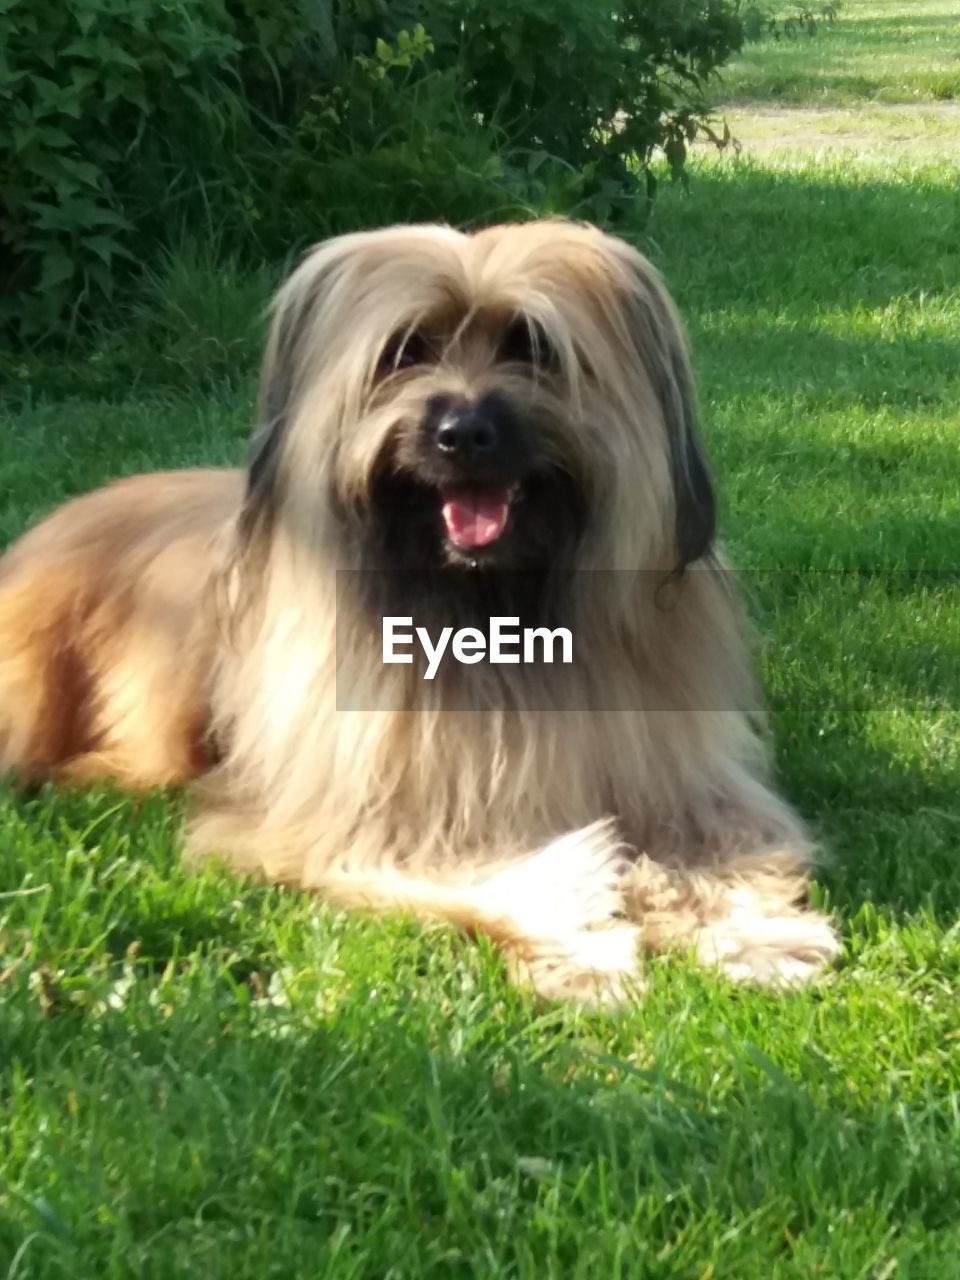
(861, 26)
(224, 1134)
(820, 239)
(112, 864)
(864, 705)
(802, 360)
(889, 832)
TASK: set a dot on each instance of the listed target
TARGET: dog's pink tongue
(475, 516)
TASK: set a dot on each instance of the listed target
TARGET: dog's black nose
(468, 431)
(482, 438)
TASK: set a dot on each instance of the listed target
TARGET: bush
(573, 84)
(594, 86)
(100, 102)
(761, 21)
(126, 125)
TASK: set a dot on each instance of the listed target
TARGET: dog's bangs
(551, 342)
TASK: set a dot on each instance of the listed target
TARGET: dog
(450, 426)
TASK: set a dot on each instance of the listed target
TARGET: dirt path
(921, 130)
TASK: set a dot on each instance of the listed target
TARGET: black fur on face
(546, 509)
(527, 576)
(521, 572)
(469, 509)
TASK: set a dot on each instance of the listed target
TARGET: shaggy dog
(451, 427)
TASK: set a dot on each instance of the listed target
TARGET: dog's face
(471, 471)
(515, 399)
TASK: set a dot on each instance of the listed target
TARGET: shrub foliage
(126, 124)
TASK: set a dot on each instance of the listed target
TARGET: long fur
(195, 623)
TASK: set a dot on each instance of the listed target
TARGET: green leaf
(75, 215)
(82, 170)
(85, 19)
(9, 78)
(102, 277)
(47, 91)
(56, 267)
(107, 248)
(53, 137)
(23, 136)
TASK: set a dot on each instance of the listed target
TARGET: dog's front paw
(774, 951)
(596, 969)
(564, 906)
(571, 884)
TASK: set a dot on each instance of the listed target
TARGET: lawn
(879, 82)
(204, 1078)
(874, 51)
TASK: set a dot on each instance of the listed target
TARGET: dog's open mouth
(476, 515)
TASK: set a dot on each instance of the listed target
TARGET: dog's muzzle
(481, 447)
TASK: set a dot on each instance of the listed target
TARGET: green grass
(205, 1078)
(876, 51)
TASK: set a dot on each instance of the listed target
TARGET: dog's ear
(661, 343)
(263, 456)
(280, 374)
(259, 497)
(693, 489)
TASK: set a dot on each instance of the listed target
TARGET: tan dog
(451, 427)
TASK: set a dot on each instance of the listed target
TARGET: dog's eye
(403, 351)
(524, 342)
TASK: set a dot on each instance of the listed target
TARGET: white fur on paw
(571, 884)
(776, 951)
(596, 969)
